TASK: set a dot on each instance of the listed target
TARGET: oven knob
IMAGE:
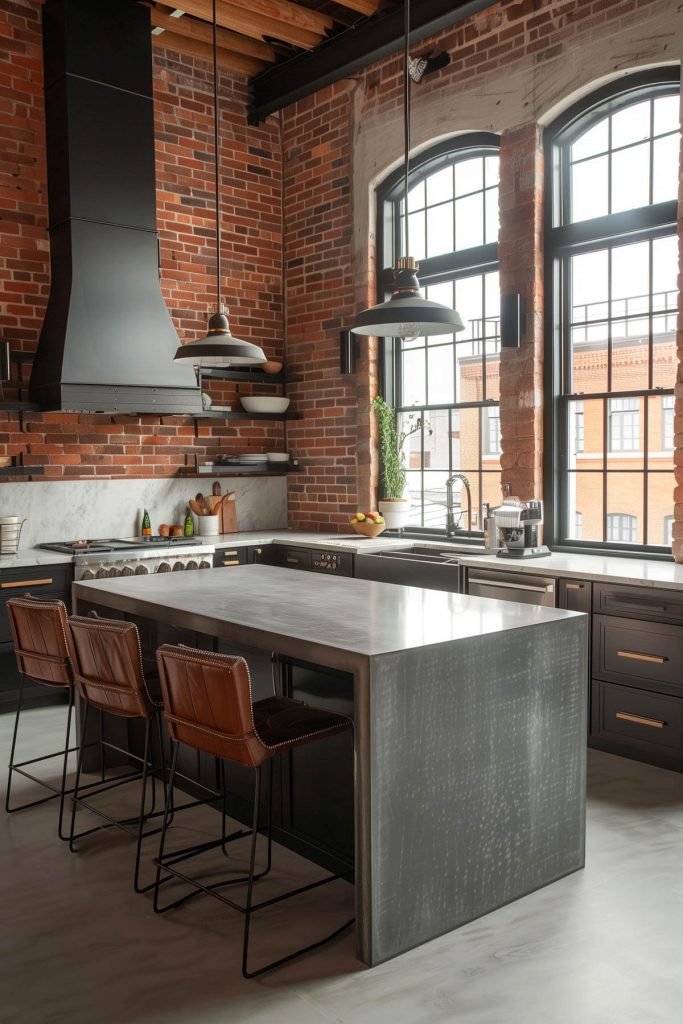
(102, 573)
(141, 570)
(192, 564)
(164, 567)
(205, 565)
(88, 574)
(114, 572)
(128, 570)
(178, 566)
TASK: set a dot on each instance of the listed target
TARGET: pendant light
(406, 314)
(218, 347)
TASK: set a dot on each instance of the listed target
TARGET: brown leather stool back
(108, 666)
(41, 644)
(207, 703)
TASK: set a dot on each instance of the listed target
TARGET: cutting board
(226, 508)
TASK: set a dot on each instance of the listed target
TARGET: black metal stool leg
(167, 820)
(143, 797)
(252, 862)
(69, 715)
(79, 769)
(13, 749)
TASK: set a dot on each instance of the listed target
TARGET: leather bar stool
(40, 634)
(108, 672)
(208, 707)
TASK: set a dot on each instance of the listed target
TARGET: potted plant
(395, 506)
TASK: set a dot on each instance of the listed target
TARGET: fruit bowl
(369, 529)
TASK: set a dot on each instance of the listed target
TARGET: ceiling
(291, 48)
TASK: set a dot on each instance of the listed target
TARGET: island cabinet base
(469, 752)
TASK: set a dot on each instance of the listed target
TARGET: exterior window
(448, 384)
(578, 525)
(624, 431)
(668, 422)
(612, 253)
(622, 528)
(668, 530)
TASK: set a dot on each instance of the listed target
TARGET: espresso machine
(518, 526)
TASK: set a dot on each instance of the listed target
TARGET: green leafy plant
(391, 446)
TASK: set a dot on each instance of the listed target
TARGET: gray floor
(604, 945)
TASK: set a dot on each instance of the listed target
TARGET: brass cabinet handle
(227, 554)
(653, 723)
(574, 586)
(25, 583)
(293, 561)
(656, 659)
(231, 563)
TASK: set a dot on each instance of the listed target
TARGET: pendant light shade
(218, 348)
(407, 314)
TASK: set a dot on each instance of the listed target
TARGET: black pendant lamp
(406, 314)
(218, 347)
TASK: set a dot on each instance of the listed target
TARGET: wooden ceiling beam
(238, 62)
(203, 33)
(367, 7)
(238, 18)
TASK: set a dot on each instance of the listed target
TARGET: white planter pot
(395, 513)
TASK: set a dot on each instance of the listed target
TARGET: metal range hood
(108, 341)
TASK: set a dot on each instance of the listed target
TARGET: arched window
(446, 388)
(612, 259)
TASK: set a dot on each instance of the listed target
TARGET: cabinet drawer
(647, 720)
(638, 603)
(49, 581)
(224, 557)
(575, 595)
(295, 558)
(645, 654)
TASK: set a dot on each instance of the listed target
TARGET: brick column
(521, 270)
(678, 405)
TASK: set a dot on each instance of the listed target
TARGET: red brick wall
(88, 445)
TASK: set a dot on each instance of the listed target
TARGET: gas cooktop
(85, 547)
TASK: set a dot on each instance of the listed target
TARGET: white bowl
(277, 456)
(264, 403)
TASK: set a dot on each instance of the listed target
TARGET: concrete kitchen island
(470, 729)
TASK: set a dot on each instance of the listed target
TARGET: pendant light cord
(216, 144)
(406, 122)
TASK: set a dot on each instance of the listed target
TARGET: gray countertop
(351, 615)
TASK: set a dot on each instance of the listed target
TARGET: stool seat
(282, 722)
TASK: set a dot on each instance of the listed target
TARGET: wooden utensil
(201, 500)
(216, 489)
(196, 507)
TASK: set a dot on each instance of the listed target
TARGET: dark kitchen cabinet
(50, 581)
(575, 595)
(637, 685)
(254, 554)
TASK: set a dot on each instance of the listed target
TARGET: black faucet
(451, 528)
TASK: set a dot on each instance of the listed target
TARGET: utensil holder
(208, 526)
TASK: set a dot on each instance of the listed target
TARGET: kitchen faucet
(450, 516)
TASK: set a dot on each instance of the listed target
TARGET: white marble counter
(642, 572)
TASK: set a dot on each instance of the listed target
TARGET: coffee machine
(518, 526)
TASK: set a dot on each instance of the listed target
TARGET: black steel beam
(352, 50)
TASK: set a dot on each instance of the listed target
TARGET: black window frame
(480, 259)
(563, 240)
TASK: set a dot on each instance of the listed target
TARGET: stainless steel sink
(436, 557)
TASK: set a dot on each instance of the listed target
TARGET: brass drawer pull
(655, 659)
(228, 554)
(293, 561)
(231, 563)
(574, 586)
(26, 583)
(654, 723)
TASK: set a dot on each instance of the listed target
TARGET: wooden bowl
(369, 529)
(272, 366)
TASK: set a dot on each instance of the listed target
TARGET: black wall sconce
(348, 352)
(512, 320)
(5, 369)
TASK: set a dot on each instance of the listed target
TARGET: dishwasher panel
(507, 586)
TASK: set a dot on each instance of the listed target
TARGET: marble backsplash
(58, 510)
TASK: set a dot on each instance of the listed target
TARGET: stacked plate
(252, 460)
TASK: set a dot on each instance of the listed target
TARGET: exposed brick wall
(88, 445)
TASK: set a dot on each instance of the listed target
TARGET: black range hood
(108, 341)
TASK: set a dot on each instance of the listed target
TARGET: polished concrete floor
(604, 946)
